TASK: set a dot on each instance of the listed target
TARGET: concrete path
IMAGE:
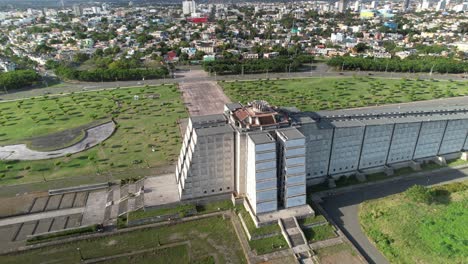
(94, 136)
(161, 190)
(344, 208)
(39, 216)
(95, 208)
(203, 98)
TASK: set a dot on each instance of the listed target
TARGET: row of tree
(410, 64)
(18, 79)
(234, 66)
(110, 75)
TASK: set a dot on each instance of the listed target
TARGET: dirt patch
(112, 242)
(61, 139)
(20, 204)
(340, 257)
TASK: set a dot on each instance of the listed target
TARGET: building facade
(269, 155)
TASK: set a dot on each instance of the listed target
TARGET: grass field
(176, 255)
(314, 94)
(318, 233)
(211, 236)
(410, 231)
(142, 125)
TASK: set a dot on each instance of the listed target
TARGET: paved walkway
(203, 98)
(39, 216)
(95, 208)
(94, 136)
(161, 190)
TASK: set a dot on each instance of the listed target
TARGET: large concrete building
(268, 155)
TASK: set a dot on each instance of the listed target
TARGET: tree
(80, 57)
(361, 47)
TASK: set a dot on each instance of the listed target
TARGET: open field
(312, 94)
(207, 237)
(425, 226)
(142, 125)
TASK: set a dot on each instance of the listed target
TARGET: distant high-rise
(441, 5)
(189, 7)
(374, 4)
(77, 10)
(342, 6)
(405, 5)
(357, 6)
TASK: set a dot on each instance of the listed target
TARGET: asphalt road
(183, 75)
(343, 208)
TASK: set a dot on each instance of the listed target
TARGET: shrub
(419, 194)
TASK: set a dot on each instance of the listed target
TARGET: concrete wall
(205, 166)
(404, 140)
(375, 147)
(346, 149)
(454, 138)
(429, 139)
(318, 146)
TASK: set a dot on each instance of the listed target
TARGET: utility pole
(81, 255)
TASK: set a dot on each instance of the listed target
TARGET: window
(220, 189)
(204, 191)
(228, 188)
(212, 190)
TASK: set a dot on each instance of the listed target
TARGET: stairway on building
(294, 235)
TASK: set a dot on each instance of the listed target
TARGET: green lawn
(318, 233)
(176, 255)
(408, 231)
(142, 124)
(311, 220)
(210, 236)
(268, 245)
(253, 230)
(312, 94)
(181, 210)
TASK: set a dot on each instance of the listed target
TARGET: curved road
(343, 208)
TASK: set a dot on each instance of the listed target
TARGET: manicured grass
(409, 231)
(318, 233)
(253, 230)
(176, 254)
(210, 236)
(312, 220)
(268, 245)
(312, 94)
(143, 124)
(180, 210)
(457, 162)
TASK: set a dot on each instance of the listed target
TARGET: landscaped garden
(147, 135)
(312, 94)
(207, 237)
(420, 225)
